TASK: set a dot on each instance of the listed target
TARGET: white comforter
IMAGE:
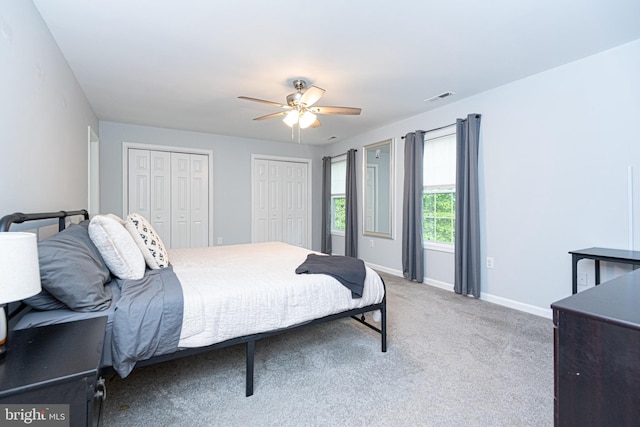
(231, 291)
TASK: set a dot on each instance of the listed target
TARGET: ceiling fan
(299, 108)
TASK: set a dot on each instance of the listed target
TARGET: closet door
(139, 181)
(280, 201)
(199, 207)
(160, 192)
(295, 204)
(275, 201)
(150, 189)
(260, 198)
(189, 200)
(171, 190)
(180, 200)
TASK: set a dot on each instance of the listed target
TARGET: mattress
(236, 290)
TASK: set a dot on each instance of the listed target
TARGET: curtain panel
(325, 246)
(467, 241)
(412, 246)
(351, 220)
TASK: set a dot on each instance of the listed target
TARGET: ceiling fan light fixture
(291, 118)
(300, 108)
(306, 119)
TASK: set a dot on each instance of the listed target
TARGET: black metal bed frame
(19, 217)
(248, 340)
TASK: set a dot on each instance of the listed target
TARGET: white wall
(231, 172)
(44, 117)
(554, 153)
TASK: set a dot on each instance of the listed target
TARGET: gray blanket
(147, 320)
(347, 270)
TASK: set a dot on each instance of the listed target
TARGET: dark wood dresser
(597, 355)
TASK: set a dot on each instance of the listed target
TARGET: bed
(187, 301)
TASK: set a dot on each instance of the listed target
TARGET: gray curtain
(326, 206)
(467, 249)
(351, 220)
(412, 250)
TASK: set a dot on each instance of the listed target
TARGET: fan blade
(270, 116)
(336, 110)
(316, 124)
(277, 104)
(311, 95)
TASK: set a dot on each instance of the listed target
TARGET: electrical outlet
(371, 242)
(490, 262)
(219, 240)
(582, 279)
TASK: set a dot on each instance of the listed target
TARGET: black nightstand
(56, 364)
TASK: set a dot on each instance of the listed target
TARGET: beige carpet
(451, 361)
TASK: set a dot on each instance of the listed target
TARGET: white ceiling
(182, 64)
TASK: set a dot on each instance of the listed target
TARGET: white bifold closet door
(280, 202)
(172, 191)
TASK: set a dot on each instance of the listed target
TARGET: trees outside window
(338, 193)
(439, 215)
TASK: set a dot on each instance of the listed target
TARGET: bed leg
(383, 326)
(251, 346)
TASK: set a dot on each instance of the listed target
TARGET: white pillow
(117, 247)
(148, 241)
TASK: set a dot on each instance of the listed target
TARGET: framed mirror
(378, 189)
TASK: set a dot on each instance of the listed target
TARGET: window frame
(341, 158)
(429, 244)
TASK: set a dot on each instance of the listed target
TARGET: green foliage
(439, 216)
(339, 209)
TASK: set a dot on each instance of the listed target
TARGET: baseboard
(527, 308)
(516, 305)
(438, 284)
(385, 269)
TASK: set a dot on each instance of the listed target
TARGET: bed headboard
(19, 217)
(14, 309)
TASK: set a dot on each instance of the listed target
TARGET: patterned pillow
(148, 241)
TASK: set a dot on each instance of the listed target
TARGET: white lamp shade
(306, 119)
(291, 118)
(19, 267)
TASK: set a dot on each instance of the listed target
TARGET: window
(439, 188)
(338, 193)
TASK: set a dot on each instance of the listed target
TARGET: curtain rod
(343, 154)
(431, 130)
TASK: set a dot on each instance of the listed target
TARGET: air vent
(439, 97)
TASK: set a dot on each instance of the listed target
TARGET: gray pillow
(72, 272)
(44, 301)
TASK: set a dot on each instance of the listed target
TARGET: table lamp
(19, 274)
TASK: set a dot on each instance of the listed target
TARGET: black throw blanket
(347, 270)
